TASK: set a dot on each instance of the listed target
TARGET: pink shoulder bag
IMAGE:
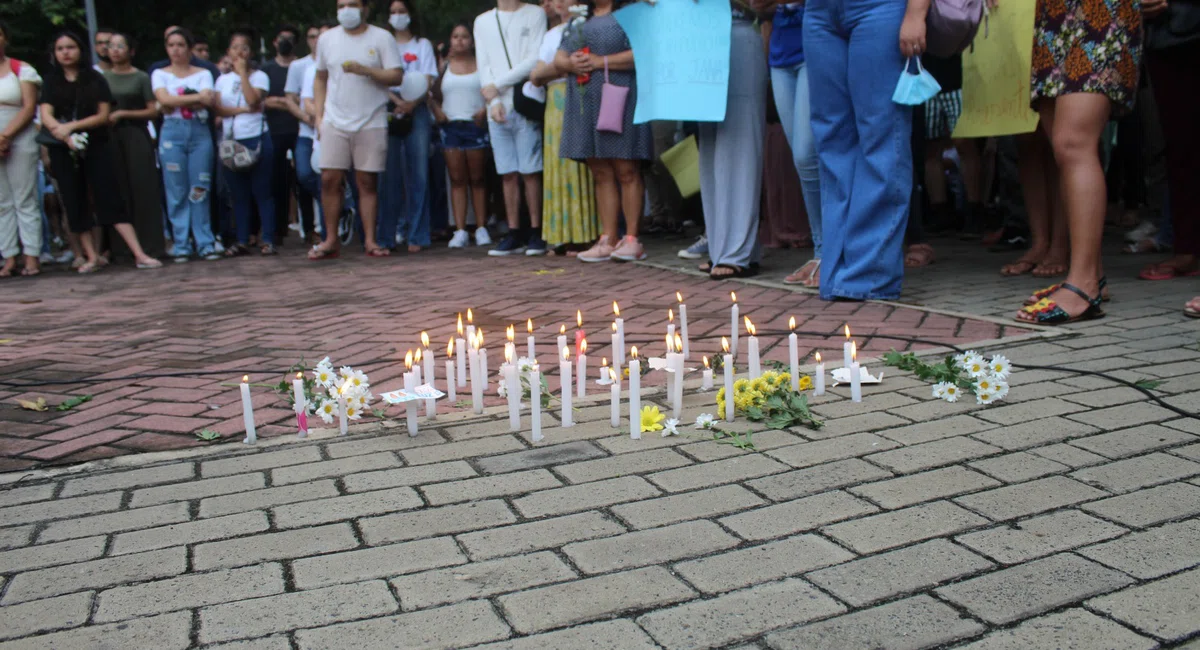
(612, 105)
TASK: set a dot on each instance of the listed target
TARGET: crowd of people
(533, 106)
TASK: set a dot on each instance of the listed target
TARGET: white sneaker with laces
(482, 238)
(460, 239)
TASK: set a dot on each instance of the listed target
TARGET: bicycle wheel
(348, 220)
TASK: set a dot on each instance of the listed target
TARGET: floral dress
(1087, 46)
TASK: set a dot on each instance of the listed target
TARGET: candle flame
(792, 323)
(603, 362)
(725, 344)
(616, 309)
(507, 354)
(245, 378)
(408, 360)
(425, 339)
(579, 318)
(562, 329)
(450, 348)
(614, 328)
(678, 343)
(511, 332)
(749, 326)
(566, 353)
(529, 325)
(583, 346)
(299, 375)
(345, 387)
(670, 316)
(853, 351)
(612, 375)
(679, 297)
(460, 327)
(670, 343)
(706, 362)
(633, 352)
(733, 296)
(470, 317)
(847, 331)
(818, 357)
(479, 338)
(419, 355)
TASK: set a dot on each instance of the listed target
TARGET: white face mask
(400, 21)
(349, 17)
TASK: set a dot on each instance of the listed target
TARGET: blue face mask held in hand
(915, 89)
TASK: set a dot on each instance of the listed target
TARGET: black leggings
(93, 171)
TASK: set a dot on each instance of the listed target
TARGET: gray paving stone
(45, 615)
(1040, 536)
(813, 480)
(105, 572)
(115, 522)
(618, 444)
(645, 547)
(928, 431)
(1125, 415)
(479, 580)
(1153, 553)
(738, 615)
(455, 626)
(1068, 455)
(901, 527)
(431, 522)
(717, 472)
(1150, 506)
(1164, 608)
(762, 563)
(1019, 467)
(272, 546)
(1073, 629)
(927, 486)
(909, 624)
(797, 516)
(1035, 434)
(692, 505)
(575, 498)
(390, 442)
(929, 409)
(13, 496)
(255, 462)
(197, 489)
(1029, 411)
(540, 457)
(865, 422)
(44, 555)
(538, 535)
(1142, 471)
(460, 450)
(580, 601)
(897, 572)
(332, 468)
(1030, 498)
(927, 455)
(276, 642)
(474, 489)
(709, 450)
(189, 532)
(622, 465)
(1032, 588)
(619, 634)
(389, 478)
(262, 499)
(1190, 451)
(323, 511)
(189, 591)
(286, 612)
(60, 509)
(1106, 397)
(1127, 442)
(166, 632)
(375, 562)
(133, 478)
(15, 537)
(823, 451)
(880, 402)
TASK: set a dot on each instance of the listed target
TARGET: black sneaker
(508, 246)
(537, 246)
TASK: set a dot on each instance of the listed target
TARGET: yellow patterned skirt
(568, 201)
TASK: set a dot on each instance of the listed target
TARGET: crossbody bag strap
(502, 40)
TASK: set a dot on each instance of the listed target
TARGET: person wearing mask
(615, 159)
(507, 39)
(284, 127)
(404, 198)
(133, 148)
(356, 64)
(185, 148)
(20, 216)
(75, 101)
(103, 62)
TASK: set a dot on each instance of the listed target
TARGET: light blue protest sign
(681, 52)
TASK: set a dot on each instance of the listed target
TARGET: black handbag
(529, 108)
(398, 127)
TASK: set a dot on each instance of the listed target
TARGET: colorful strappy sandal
(1042, 294)
(1048, 312)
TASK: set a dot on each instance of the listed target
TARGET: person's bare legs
(935, 173)
(971, 169)
(533, 198)
(456, 165)
(512, 201)
(331, 204)
(1032, 151)
(608, 197)
(127, 233)
(633, 193)
(368, 207)
(89, 251)
(477, 173)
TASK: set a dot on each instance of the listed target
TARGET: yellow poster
(683, 162)
(996, 74)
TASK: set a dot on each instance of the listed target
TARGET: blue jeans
(863, 144)
(186, 151)
(404, 185)
(790, 86)
(254, 184)
(309, 178)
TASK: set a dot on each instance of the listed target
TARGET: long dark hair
(467, 25)
(85, 56)
(414, 16)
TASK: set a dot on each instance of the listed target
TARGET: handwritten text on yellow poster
(996, 74)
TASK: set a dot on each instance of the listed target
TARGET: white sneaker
(482, 238)
(460, 239)
(1144, 230)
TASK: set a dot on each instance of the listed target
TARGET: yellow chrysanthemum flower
(806, 383)
(652, 419)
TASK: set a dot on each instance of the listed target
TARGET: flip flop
(923, 255)
(802, 277)
(738, 272)
(379, 252)
(317, 254)
(1165, 272)
(1189, 311)
(29, 273)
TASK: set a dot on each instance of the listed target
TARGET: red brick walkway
(263, 315)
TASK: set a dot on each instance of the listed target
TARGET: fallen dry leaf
(39, 405)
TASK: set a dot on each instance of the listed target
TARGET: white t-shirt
(10, 85)
(523, 30)
(295, 76)
(247, 125)
(195, 82)
(306, 92)
(355, 102)
(546, 53)
(461, 98)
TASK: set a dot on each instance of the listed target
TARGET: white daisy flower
(353, 412)
(323, 375)
(670, 428)
(502, 388)
(579, 10)
(984, 397)
(1001, 388)
(985, 384)
(345, 372)
(327, 410)
(939, 390)
(951, 393)
(358, 379)
(704, 421)
(974, 365)
(1000, 366)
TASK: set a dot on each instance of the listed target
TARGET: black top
(77, 100)
(948, 71)
(279, 121)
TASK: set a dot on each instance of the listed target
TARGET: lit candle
(530, 342)
(410, 387)
(476, 385)
(752, 343)
(581, 371)
(677, 395)
(248, 412)
(513, 389)
(510, 347)
(604, 374)
(794, 355)
(734, 324)
(855, 375)
(417, 365)
(427, 376)
(617, 352)
(343, 418)
(483, 361)
(671, 324)
(727, 361)
(301, 404)
(820, 387)
(707, 381)
(846, 348)
(463, 351)
(669, 356)
(562, 337)
(564, 371)
(470, 323)
(635, 395)
(619, 328)
(535, 402)
(615, 397)
(451, 379)
(687, 352)
(578, 330)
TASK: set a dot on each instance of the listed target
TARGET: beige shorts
(365, 150)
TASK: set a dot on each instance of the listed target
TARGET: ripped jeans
(185, 151)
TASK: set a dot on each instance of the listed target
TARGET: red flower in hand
(185, 112)
(409, 57)
(582, 79)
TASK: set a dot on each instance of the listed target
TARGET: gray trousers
(731, 156)
(19, 209)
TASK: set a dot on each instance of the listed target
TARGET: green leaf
(379, 414)
(1148, 384)
(208, 435)
(72, 402)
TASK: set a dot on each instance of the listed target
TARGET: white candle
(301, 405)
(483, 369)
(564, 370)
(677, 394)
(531, 343)
(476, 385)
(846, 349)
(855, 376)
(514, 396)
(755, 364)
(562, 338)
(343, 419)
(427, 377)
(535, 402)
(470, 325)
(619, 345)
(687, 351)
(615, 397)
(670, 325)
(616, 348)
(451, 393)
(581, 371)
(461, 375)
(734, 325)
(794, 356)
(728, 365)
(819, 389)
(248, 412)
(707, 377)
(635, 396)
(410, 408)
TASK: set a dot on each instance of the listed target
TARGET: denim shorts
(465, 135)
